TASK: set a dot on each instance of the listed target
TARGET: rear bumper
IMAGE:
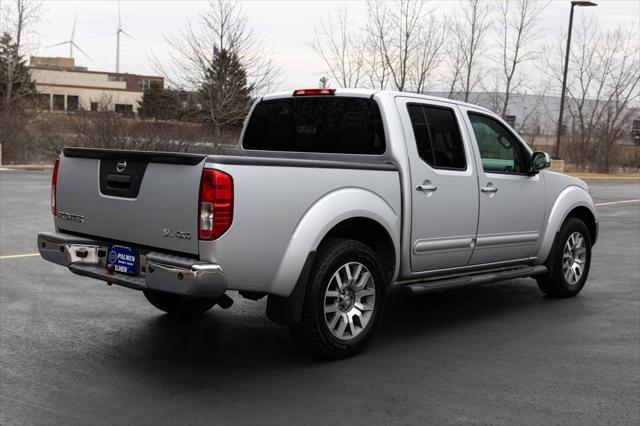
(158, 271)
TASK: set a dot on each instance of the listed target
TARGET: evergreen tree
(225, 94)
(158, 103)
(15, 79)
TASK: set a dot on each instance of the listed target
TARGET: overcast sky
(286, 28)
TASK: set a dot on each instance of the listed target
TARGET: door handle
(426, 186)
(488, 188)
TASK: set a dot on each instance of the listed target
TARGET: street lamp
(566, 65)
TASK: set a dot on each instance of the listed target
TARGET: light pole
(566, 66)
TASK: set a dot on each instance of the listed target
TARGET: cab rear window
(339, 125)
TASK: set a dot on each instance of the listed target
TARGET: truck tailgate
(142, 198)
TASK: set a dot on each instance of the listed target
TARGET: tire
(569, 260)
(175, 304)
(340, 315)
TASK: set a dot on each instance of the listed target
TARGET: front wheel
(343, 300)
(176, 304)
(569, 261)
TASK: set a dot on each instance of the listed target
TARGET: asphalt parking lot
(75, 351)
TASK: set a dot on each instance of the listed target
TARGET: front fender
(328, 211)
(570, 198)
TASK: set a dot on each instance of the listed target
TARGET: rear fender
(328, 211)
(570, 198)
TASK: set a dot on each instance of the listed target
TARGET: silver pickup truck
(339, 194)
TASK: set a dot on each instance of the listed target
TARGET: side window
(499, 150)
(437, 136)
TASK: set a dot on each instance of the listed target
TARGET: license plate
(123, 259)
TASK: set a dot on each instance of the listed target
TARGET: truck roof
(366, 93)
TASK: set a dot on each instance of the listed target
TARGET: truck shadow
(241, 344)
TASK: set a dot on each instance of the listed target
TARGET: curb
(605, 177)
(26, 167)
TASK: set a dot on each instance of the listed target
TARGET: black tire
(313, 332)
(175, 304)
(555, 283)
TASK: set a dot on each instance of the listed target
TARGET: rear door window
(340, 125)
(437, 136)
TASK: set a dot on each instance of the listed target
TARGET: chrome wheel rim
(574, 258)
(349, 301)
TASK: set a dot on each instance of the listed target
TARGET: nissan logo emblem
(121, 165)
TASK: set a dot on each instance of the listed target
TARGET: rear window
(337, 125)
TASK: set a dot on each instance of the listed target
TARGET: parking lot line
(617, 202)
(15, 256)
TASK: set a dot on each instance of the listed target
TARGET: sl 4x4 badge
(182, 235)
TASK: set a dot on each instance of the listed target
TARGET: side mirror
(539, 161)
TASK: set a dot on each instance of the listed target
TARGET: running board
(480, 278)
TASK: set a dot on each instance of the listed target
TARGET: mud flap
(288, 310)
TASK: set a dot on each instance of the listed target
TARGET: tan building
(62, 86)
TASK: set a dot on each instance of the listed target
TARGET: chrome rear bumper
(158, 271)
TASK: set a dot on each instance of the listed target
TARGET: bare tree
(377, 73)
(17, 19)
(454, 69)
(396, 27)
(470, 31)
(517, 30)
(223, 28)
(602, 89)
(401, 46)
(405, 40)
(395, 31)
(16, 87)
(429, 53)
(341, 48)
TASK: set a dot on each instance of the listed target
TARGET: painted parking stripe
(617, 202)
(16, 256)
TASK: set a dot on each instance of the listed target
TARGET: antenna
(70, 42)
(118, 32)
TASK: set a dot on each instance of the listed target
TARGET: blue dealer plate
(123, 259)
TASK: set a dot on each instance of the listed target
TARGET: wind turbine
(70, 42)
(118, 32)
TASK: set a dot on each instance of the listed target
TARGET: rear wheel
(569, 261)
(343, 300)
(176, 304)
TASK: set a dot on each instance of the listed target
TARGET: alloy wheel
(349, 300)
(574, 257)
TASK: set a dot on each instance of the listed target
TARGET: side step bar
(481, 278)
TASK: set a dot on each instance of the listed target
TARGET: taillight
(54, 182)
(216, 204)
(314, 92)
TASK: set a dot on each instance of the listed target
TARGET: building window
(72, 103)
(58, 102)
(113, 78)
(511, 120)
(43, 101)
(94, 106)
(146, 84)
(635, 126)
(124, 108)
